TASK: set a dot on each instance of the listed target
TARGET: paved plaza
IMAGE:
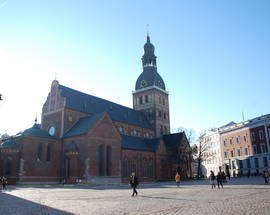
(240, 196)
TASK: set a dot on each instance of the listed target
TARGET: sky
(213, 56)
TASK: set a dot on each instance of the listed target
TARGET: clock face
(52, 130)
(143, 83)
(159, 84)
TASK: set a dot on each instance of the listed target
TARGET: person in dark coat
(212, 179)
(219, 179)
(134, 183)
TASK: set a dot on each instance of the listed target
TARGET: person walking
(212, 179)
(177, 179)
(4, 183)
(265, 175)
(219, 180)
(134, 183)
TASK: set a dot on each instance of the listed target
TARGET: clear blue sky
(214, 56)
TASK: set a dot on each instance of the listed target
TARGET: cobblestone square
(239, 196)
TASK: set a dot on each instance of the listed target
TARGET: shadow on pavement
(18, 206)
(159, 197)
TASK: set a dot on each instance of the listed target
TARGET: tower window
(164, 115)
(146, 98)
(159, 99)
(163, 100)
(159, 114)
(140, 100)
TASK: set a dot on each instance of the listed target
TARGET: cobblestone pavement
(240, 196)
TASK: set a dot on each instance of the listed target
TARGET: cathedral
(86, 139)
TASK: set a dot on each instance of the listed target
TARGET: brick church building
(86, 138)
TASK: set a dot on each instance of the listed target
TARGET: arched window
(100, 160)
(39, 152)
(108, 161)
(133, 165)
(48, 153)
(142, 168)
(125, 168)
(8, 166)
(151, 168)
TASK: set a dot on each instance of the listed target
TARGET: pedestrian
(248, 174)
(212, 179)
(4, 183)
(234, 174)
(134, 183)
(229, 175)
(223, 177)
(265, 175)
(1, 183)
(219, 180)
(177, 179)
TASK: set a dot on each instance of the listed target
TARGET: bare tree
(201, 153)
(190, 133)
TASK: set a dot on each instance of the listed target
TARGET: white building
(211, 152)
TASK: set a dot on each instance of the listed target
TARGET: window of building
(253, 137)
(159, 114)
(248, 163)
(48, 157)
(8, 166)
(246, 151)
(108, 160)
(133, 165)
(231, 153)
(164, 116)
(265, 162)
(254, 149)
(225, 154)
(240, 164)
(140, 100)
(238, 152)
(39, 152)
(237, 139)
(146, 98)
(263, 149)
(256, 162)
(159, 99)
(100, 160)
(231, 141)
(125, 168)
(120, 128)
(163, 101)
(245, 139)
(151, 168)
(261, 134)
(224, 142)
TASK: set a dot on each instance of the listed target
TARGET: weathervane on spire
(147, 29)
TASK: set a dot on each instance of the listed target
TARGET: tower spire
(147, 32)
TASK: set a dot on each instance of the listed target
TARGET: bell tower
(150, 95)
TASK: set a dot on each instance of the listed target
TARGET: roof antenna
(36, 120)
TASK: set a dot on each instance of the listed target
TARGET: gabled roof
(83, 125)
(9, 143)
(229, 124)
(36, 131)
(138, 143)
(173, 140)
(83, 102)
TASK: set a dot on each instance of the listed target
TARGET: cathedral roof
(9, 143)
(149, 78)
(83, 125)
(173, 140)
(36, 131)
(138, 143)
(86, 103)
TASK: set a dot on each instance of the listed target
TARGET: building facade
(86, 138)
(211, 152)
(245, 146)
